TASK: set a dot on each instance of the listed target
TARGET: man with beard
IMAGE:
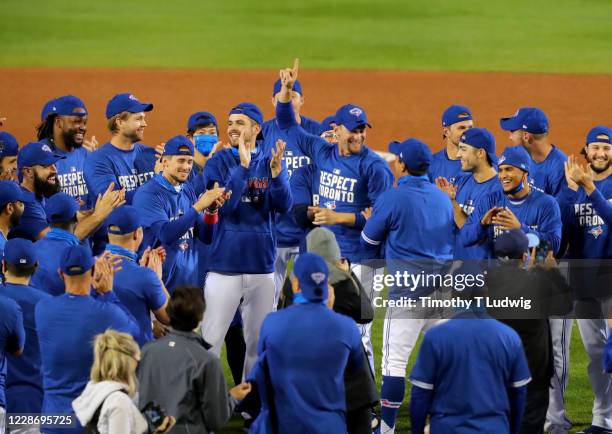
(478, 161)
(588, 235)
(518, 207)
(9, 148)
(456, 120)
(119, 161)
(349, 177)
(11, 209)
(63, 129)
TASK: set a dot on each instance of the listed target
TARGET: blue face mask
(204, 143)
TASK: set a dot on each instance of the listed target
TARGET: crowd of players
(104, 237)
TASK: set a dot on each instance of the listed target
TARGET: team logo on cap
(463, 137)
(356, 111)
(502, 159)
(46, 148)
(317, 277)
(132, 97)
(596, 232)
(23, 261)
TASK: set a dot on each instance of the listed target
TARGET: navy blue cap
(176, 146)
(37, 154)
(481, 138)
(511, 244)
(456, 113)
(250, 110)
(48, 108)
(126, 102)
(8, 145)
(297, 87)
(69, 105)
(200, 119)
(311, 271)
(515, 122)
(76, 260)
(600, 133)
(123, 220)
(535, 122)
(352, 117)
(61, 208)
(515, 156)
(10, 192)
(412, 152)
(21, 252)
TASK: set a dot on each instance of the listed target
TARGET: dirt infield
(399, 104)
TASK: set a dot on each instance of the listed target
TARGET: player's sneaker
(595, 430)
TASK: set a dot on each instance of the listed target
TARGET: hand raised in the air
(91, 145)
(244, 152)
(288, 76)
(276, 163)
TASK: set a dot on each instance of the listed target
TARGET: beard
(44, 188)
(69, 140)
(599, 170)
(14, 219)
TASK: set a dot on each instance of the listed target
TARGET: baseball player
(9, 148)
(518, 207)
(414, 222)
(588, 235)
(203, 132)
(171, 213)
(529, 128)
(456, 119)
(11, 209)
(288, 233)
(479, 179)
(349, 178)
(243, 245)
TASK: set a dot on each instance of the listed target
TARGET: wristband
(211, 218)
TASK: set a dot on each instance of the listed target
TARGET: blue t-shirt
(34, 219)
(549, 175)
(443, 166)
(470, 349)
(24, 387)
(49, 249)
(70, 171)
(288, 233)
(160, 203)
(469, 193)
(346, 184)
(308, 374)
(66, 326)
(12, 337)
(2, 244)
(139, 290)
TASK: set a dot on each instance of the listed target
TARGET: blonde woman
(106, 405)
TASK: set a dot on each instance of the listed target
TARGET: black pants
(236, 350)
(359, 421)
(534, 417)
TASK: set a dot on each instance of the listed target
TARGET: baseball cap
(48, 109)
(456, 113)
(176, 146)
(10, 192)
(8, 145)
(323, 242)
(37, 154)
(199, 119)
(69, 105)
(61, 208)
(352, 117)
(123, 220)
(312, 272)
(297, 87)
(126, 102)
(511, 244)
(535, 122)
(481, 138)
(19, 251)
(515, 122)
(515, 156)
(250, 110)
(412, 152)
(600, 133)
(76, 260)
(326, 124)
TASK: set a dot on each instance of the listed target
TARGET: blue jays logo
(596, 231)
(501, 159)
(318, 278)
(45, 148)
(356, 111)
(330, 204)
(336, 171)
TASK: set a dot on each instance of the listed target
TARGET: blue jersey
(288, 233)
(549, 175)
(12, 337)
(67, 326)
(139, 290)
(70, 171)
(2, 244)
(49, 249)
(469, 193)
(308, 374)
(161, 205)
(470, 349)
(346, 184)
(538, 213)
(34, 219)
(126, 169)
(24, 384)
(443, 166)
(244, 239)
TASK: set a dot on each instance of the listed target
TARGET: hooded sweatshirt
(118, 413)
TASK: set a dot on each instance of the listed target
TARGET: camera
(542, 251)
(153, 415)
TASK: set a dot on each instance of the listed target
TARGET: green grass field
(443, 35)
